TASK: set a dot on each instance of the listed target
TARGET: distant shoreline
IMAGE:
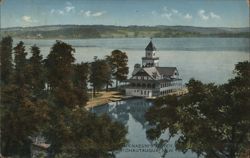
(109, 31)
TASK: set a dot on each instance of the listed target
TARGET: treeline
(46, 98)
(102, 31)
(211, 120)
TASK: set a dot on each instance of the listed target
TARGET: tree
(59, 64)
(72, 130)
(6, 59)
(22, 75)
(80, 78)
(100, 74)
(81, 75)
(21, 119)
(211, 120)
(83, 134)
(37, 72)
(22, 114)
(119, 65)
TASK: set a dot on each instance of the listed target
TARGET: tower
(150, 60)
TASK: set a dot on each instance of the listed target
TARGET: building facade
(150, 80)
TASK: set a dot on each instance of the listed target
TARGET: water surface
(206, 59)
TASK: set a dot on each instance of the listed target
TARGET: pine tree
(37, 72)
(6, 65)
(23, 114)
(21, 76)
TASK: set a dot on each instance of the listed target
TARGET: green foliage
(100, 74)
(22, 114)
(59, 115)
(211, 120)
(6, 65)
(22, 117)
(59, 64)
(72, 131)
(37, 71)
(119, 64)
(81, 75)
(82, 134)
(22, 75)
(100, 31)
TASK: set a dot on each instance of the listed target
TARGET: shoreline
(104, 98)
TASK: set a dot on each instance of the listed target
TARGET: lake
(131, 114)
(206, 59)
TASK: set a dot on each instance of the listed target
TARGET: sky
(204, 13)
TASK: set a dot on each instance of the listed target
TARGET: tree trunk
(94, 89)
(107, 87)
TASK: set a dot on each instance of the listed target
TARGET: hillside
(105, 31)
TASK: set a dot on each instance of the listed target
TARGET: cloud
(167, 15)
(89, 13)
(188, 16)
(27, 19)
(171, 13)
(69, 8)
(202, 14)
(175, 11)
(206, 16)
(154, 12)
(56, 11)
(214, 16)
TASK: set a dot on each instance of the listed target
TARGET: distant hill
(109, 31)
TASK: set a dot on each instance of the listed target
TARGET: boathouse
(150, 80)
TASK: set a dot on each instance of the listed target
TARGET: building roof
(150, 47)
(156, 71)
(168, 71)
(151, 71)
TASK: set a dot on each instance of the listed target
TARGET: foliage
(119, 64)
(211, 120)
(22, 115)
(100, 31)
(21, 75)
(81, 75)
(100, 74)
(21, 119)
(37, 71)
(6, 65)
(82, 134)
(72, 130)
(59, 115)
(59, 64)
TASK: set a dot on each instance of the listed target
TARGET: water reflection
(131, 113)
